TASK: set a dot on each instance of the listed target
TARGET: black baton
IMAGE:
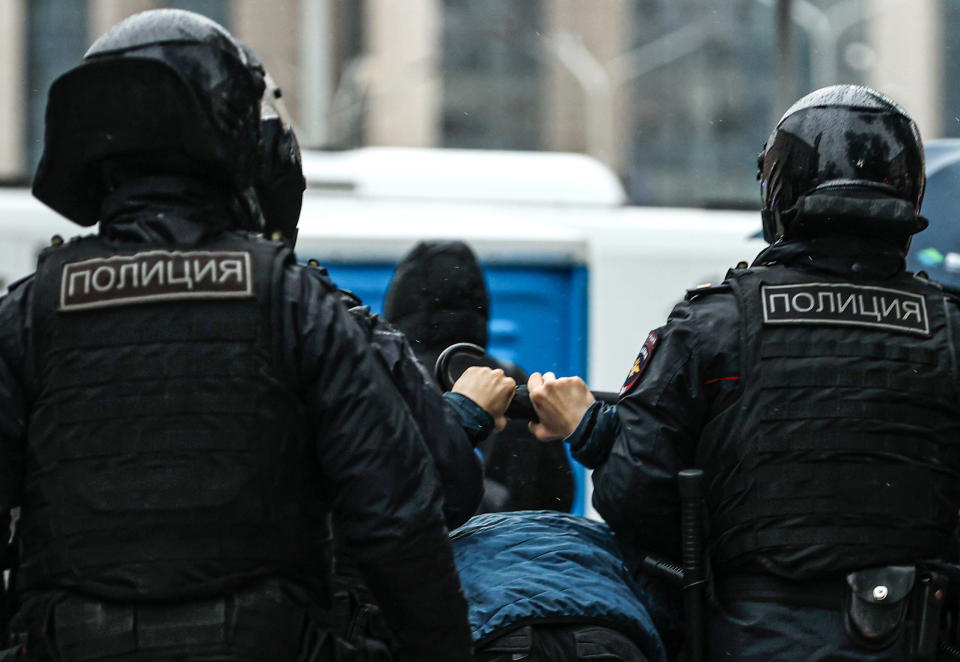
(455, 359)
(694, 570)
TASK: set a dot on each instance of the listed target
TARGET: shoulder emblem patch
(643, 358)
(154, 276)
(845, 304)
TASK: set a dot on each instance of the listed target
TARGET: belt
(820, 594)
(260, 621)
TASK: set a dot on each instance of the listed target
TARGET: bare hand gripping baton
(455, 359)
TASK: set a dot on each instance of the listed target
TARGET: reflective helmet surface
(845, 159)
(168, 89)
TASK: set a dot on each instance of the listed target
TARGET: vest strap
(739, 544)
(841, 348)
(822, 377)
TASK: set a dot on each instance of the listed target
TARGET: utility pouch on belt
(885, 602)
(928, 609)
(878, 600)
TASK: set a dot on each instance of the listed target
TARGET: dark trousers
(749, 631)
(561, 643)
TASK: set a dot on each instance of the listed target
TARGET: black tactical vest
(843, 450)
(167, 452)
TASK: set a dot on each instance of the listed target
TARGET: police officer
(450, 424)
(183, 405)
(818, 391)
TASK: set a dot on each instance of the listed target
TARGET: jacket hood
(438, 297)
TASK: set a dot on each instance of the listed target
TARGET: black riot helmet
(168, 91)
(843, 159)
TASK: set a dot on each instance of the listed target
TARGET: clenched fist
(491, 389)
(560, 404)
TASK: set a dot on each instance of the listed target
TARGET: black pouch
(930, 615)
(359, 622)
(878, 602)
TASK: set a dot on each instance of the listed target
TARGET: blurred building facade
(677, 96)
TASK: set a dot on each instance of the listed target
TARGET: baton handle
(521, 407)
(664, 569)
(441, 369)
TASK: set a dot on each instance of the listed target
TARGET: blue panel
(538, 318)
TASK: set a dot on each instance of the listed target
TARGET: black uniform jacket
(459, 468)
(372, 460)
(689, 374)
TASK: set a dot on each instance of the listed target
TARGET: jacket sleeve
(384, 487)
(458, 467)
(15, 348)
(638, 446)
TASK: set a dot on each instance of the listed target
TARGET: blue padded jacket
(539, 566)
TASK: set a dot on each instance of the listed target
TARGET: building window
(56, 41)
(492, 74)
(951, 70)
(702, 105)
